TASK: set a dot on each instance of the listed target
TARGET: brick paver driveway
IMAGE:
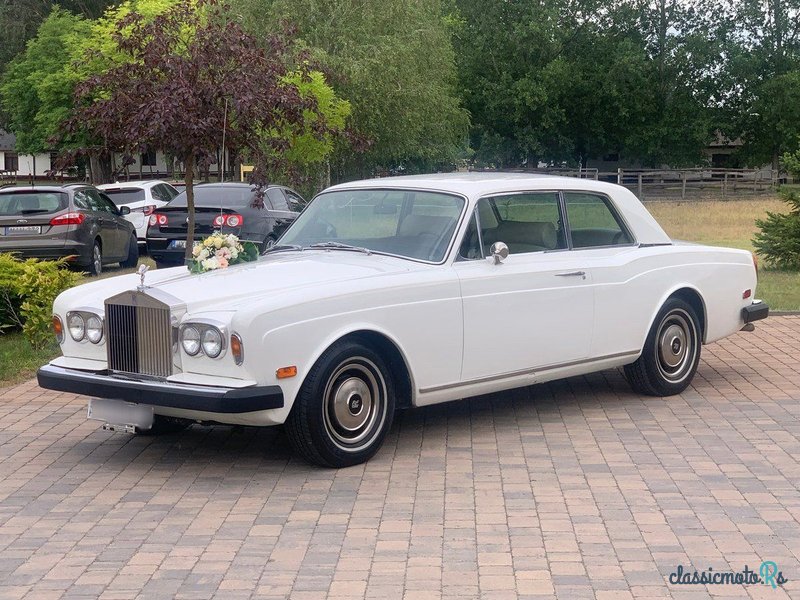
(577, 489)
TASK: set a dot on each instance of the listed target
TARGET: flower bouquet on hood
(219, 251)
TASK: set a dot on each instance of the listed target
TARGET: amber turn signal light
(58, 328)
(237, 349)
(286, 372)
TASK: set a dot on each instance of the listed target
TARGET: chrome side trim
(536, 371)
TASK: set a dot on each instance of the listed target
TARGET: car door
(534, 310)
(607, 249)
(280, 216)
(115, 235)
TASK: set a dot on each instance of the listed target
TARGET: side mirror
(499, 252)
(124, 210)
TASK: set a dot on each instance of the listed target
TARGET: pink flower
(222, 261)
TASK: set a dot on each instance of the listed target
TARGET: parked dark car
(226, 207)
(76, 221)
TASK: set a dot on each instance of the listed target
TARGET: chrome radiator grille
(139, 335)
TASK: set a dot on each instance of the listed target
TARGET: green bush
(779, 239)
(27, 291)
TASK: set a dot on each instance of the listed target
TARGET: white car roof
(476, 185)
(148, 183)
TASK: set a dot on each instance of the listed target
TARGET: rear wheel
(671, 352)
(344, 408)
(96, 266)
(133, 254)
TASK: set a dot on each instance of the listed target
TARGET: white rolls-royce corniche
(401, 292)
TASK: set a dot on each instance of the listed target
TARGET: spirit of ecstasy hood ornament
(143, 268)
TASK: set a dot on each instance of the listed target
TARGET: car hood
(272, 276)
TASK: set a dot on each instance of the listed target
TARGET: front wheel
(96, 266)
(344, 408)
(671, 352)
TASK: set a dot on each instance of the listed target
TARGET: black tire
(165, 425)
(268, 243)
(671, 352)
(96, 260)
(344, 408)
(133, 254)
(161, 264)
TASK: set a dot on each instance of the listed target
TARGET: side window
(524, 222)
(471, 244)
(169, 192)
(277, 199)
(81, 200)
(95, 202)
(296, 203)
(108, 205)
(157, 191)
(593, 222)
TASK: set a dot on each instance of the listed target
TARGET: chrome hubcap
(355, 404)
(98, 261)
(676, 345)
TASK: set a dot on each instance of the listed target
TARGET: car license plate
(175, 244)
(23, 229)
(121, 414)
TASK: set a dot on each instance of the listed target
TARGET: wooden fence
(654, 184)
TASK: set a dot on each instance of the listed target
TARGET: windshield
(212, 196)
(125, 195)
(407, 223)
(25, 203)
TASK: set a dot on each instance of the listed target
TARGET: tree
(572, 80)
(190, 73)
(35, 92)
(20, 19)
(393, 62)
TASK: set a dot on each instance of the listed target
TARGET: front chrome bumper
(223, 400)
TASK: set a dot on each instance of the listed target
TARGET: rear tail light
(70, 218)
(158, 220)
(233, 220)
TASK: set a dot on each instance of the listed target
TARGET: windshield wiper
(340, 246)
(282, 247)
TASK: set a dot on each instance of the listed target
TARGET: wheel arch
(692, 296)
(389, 349)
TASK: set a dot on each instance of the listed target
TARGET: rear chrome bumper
(755, 312)
(221, 400)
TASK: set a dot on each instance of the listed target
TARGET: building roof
(7, 141)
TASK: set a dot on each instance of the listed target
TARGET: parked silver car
(76, 221)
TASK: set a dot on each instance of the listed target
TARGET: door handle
(581, 274)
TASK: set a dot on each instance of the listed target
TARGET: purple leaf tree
(187, 72)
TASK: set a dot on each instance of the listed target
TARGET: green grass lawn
(19, 360)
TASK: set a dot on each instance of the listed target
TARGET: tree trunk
(189, 180)
(100, 168)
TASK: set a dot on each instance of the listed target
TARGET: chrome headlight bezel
(77, 323)
(205, 328)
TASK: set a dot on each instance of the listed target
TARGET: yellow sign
(244, 169)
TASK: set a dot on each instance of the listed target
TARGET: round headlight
(190, 340)
(76, 326)
(94, 329)
(212, 342)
